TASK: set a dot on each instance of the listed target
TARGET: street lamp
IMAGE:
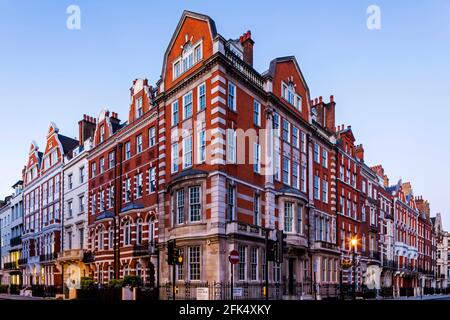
(353, 244)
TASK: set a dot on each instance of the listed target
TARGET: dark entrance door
(291, 276)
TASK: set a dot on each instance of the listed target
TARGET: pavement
(4, 296)
(427, 297)
(442, 297)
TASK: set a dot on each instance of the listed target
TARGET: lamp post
(353, 243)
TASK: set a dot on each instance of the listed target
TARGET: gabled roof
(271, 72)
(67, 143)
(186, 14)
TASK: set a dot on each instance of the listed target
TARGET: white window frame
(231, 98)
(201, 146)
(152, 137)
(200, 96)
(256, 158)
(175, 114)
(186, 103)
(139, 146)
(175, 157)
(231, 146)
(256, 113)
(139, 108)
(187, 152)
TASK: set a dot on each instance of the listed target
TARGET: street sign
(238, 292)
(234, 257)
(203, 293)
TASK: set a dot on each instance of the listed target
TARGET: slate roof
(68, 144)
(132, 206)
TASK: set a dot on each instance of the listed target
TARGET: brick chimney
(423, 205)
(329, 115)
(247, 43)
(359, 152)
(86, 128)
(386, 181)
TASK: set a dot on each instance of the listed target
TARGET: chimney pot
(331, 98)
(320, 99)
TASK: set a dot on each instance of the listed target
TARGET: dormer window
(102, 133)
(288, 93)
(191, 55)
(139, 110)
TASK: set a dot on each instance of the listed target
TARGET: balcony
(140, 250)
(48, 257)
(34, 259)
(71, 255)
(325, 245)
(11, 266)
(373, 227)
(249, 73)
(22, 261)
(88, 257)
(244, 229)
(15, 241)
(374, 255)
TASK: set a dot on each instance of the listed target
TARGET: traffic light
(179, 257)
(271, 250)
(281, 246)
(171, 252)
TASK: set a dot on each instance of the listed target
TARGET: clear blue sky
(391, 85)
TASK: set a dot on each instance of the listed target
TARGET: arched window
(100, 276)
(101, 239)
(139, 270)
(127, 233)
(126, 270)
(111, 238)
(139, 231)
(151, 231)
(110, 273)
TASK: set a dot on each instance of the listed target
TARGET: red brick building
(42, 209)
(425, 244)
(122, 190)
(349, 205)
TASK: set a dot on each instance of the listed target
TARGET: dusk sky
(391, 85)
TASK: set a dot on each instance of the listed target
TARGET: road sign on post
(234, 259)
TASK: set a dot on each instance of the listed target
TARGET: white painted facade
(75, 215)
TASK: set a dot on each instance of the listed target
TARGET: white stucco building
(75, 213)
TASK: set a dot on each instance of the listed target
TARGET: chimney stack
(359, 152)
(86, 128)
(330, 115)
(247, 44)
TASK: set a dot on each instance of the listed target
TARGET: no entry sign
(234, 257)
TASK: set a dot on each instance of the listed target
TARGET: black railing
(11, 265)
(374, 255)
(45, 291)
(251, 74)
(47, 257)
(15, 241)
(100, 294)
(22, 261)
(140, 250)
(387, 292)
(406, 292)
(88, 257)
(221, 291)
